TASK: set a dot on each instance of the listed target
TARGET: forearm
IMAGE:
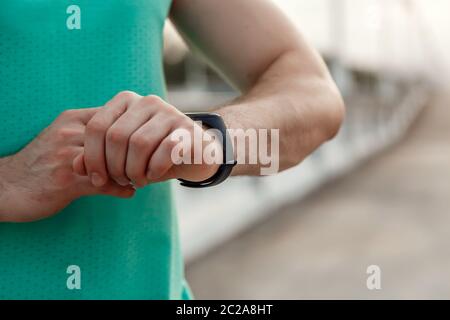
(285, 83)
(301, 101)
(2, 179)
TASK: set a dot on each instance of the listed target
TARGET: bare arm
(284, 83)
(3, 187)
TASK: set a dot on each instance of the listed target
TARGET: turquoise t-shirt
(65, 54)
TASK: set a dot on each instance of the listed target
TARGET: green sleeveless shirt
(65, 54)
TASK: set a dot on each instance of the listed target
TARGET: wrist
(234, 123)
(5, 187)
(223, 171)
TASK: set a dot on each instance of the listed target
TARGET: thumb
(116, 190)
(78, 166)
(111, 189)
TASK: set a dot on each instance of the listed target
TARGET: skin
(39, 180)
(284, 85)
(128, 141)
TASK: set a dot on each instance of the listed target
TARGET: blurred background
(379, 194)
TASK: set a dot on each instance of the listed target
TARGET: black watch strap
(214, 121)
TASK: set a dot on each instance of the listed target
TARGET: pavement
(392, 212)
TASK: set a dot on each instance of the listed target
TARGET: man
(86, 149)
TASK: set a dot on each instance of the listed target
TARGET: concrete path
(393, 212)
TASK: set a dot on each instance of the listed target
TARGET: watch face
(215, 121)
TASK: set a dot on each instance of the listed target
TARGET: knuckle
(175, 120)
(62, 134)
(115, 136)
(68, 114)
(152, 99)
(185, 124)
(126, 95)
(173, 113)
(140, 105)
(139, 141)
(63, 153)
(95, 126)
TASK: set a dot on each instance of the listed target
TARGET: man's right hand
(39, 181)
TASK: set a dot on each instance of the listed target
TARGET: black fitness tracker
(214, 121)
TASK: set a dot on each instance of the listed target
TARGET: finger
(119, 136)
(78, 165)
(161, 160)
(70, 134)
(117, 190)
(143, 144)
(78, 139)
(82, 115)
(86, 114)
(174, 172)
(110, 188)
(94, 143)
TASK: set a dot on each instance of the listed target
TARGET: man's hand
(129, 141)
(39, 181)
